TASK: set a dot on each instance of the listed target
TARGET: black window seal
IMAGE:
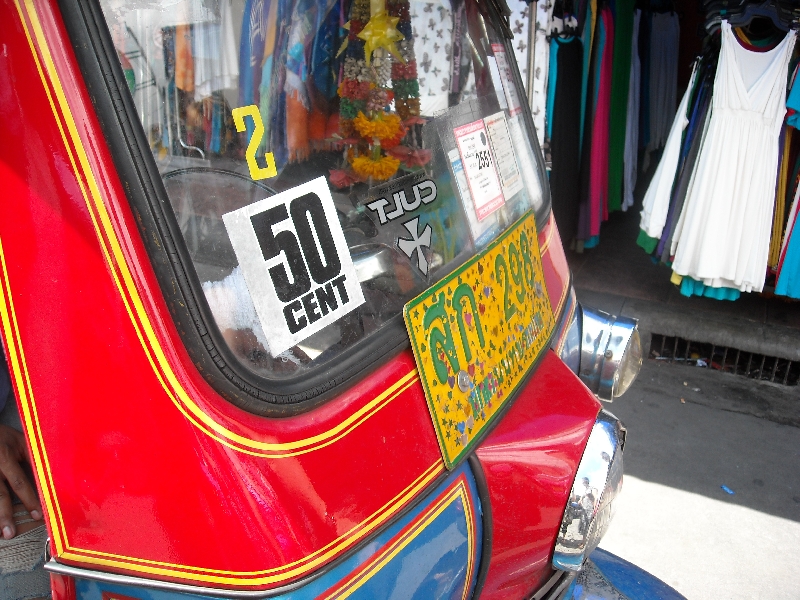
(179, 283)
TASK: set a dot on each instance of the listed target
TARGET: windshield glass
(326, 160)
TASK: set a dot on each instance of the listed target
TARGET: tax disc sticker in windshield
(479, 167)
(504, 154)
(296, 263)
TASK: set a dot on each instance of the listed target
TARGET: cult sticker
(500, 139)
(479, 166)
(392, 202)
(295, 261)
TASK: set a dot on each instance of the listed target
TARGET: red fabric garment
(598, 182)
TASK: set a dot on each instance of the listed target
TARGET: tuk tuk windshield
(326, 160)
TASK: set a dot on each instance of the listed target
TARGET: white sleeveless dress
(722, 237)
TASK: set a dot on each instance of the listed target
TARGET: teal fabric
(793, 102)
(552, 78)
(692, 287)
(789, 276)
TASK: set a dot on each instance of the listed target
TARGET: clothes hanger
(766, 10)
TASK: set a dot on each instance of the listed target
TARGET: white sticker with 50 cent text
(295, 261)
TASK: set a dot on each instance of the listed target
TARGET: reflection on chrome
(611, 353)
(590, 504)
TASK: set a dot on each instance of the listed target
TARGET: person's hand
(12, 452)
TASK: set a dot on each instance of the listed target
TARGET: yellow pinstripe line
(25, 391)
(267, 576)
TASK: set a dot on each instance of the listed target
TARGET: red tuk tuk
(285, 309)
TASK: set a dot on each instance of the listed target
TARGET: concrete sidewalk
(619, 277)
(674, 519)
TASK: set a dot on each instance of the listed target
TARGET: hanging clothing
(693, 141)
(552, 82)
(631, 153)
(541, 66)
(620, 79)
(520, 25)
(216, 64)
(722, 237)
(598, 180)
(788, 282)
(656, 200)
(565, 141)
(780, 198)
(251, 50)
(587, 38)
(589, 159)
(661, 93)
(184, 62)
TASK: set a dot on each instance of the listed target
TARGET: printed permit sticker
(295, 261)
(477, 333)
(479, 167)
(507, 77)
(482, 231)
(504, 156)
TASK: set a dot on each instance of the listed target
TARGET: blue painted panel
(608, 577)
(429, 553)
(631, 580)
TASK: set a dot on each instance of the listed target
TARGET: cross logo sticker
(417, 242)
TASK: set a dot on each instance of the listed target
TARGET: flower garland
(379, 49)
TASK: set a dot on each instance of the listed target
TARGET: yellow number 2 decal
(256, 172)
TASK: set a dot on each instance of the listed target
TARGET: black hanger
(765, 10)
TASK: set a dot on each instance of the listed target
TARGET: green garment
(620, 80)
(645, 241)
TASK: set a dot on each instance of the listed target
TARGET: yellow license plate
(476, 334)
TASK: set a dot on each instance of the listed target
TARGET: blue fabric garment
(216, 124)
(692, 287)
(789, 277)
(552, 77)
(793, 102)
(251, 50)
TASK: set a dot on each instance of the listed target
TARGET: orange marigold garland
(381, 169)
(382, 125)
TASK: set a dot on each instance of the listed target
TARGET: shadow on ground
(712, 439)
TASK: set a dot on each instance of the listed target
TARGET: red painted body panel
(143, 467)
(554, 264)
(529, 462)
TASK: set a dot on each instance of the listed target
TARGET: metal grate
(722, 358)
